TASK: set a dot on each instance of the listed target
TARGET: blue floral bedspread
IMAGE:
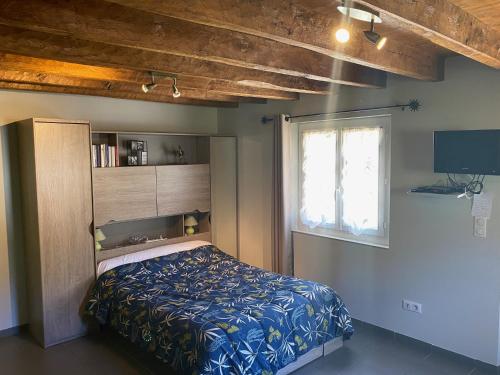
(203, 312)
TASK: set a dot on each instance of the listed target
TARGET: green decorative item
(99, 236)
(190, 222)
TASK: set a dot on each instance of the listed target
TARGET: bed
(202, 311)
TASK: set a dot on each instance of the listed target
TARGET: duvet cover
(202, 311)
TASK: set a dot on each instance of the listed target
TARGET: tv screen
(467, 152)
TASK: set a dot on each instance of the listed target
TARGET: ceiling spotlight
(375, 37)
(359, 12)
(175, 91)
(147, 87)
(342, 35)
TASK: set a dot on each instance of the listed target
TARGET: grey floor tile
(485, 371)
(444, 363)
(372, 351)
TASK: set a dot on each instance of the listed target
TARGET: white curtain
(340, 194)
(360, 178)
(318, 178)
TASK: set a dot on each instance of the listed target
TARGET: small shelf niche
(118, 233)
(161, 147)
(159, 230)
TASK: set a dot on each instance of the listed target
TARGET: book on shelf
(104, 156)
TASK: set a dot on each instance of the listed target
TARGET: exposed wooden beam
(446, 25)
(308, 24)
(113, 94)
(105, 76)
(113, 24)
(228, 88)
(39, 44)
(49, 79)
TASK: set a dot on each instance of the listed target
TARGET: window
(343, 189)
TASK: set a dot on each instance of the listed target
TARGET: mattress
(202, 312)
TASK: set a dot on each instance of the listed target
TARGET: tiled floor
(371, 352)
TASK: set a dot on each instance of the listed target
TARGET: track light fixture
(375, 37)
(175, 91)
(358, 12)
(147, 87)
(342, 35)
(365, 14)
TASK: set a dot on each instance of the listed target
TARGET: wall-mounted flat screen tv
(467, 152)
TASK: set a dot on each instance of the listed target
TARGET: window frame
(339, 231)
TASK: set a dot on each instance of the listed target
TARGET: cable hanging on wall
(413, 105)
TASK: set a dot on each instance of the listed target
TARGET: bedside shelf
(433, 195)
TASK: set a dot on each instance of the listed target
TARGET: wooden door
(183, 188)
(124, 193)
(64, 203)
(223, 174)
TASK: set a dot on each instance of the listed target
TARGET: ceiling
(488, 11)
(225, 52)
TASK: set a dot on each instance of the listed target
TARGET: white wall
(433, 258)
(104, 113)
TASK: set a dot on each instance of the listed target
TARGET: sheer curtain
(360, 179)
(318, 178)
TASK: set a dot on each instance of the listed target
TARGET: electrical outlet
(412, 306)
(480, 224)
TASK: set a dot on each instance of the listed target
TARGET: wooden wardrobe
(55, 169)
(65, 199)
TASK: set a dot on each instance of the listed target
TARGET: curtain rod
(414, 105)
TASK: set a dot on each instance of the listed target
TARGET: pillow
(139, 256)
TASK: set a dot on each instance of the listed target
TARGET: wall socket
(412, 306)
(480, 224)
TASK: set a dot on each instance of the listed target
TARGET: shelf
(149, 165)
(161, 147)
(433, 195)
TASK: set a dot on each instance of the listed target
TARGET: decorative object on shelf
(137, 239)
(99, 236)
(190, 222)
(137, 153)
(179, 155)
(160, 238)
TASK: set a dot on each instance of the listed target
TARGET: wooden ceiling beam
(113, 94)
(57, 47)
(160, 92)
(446, 25)
(105, 77)
(112, 24)
(308, 24)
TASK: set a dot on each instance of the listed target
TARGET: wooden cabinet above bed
(153, 202)
(124, 194)
(183, 188)
(129, 193)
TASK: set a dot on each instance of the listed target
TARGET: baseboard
(13, 331)
(478, 364)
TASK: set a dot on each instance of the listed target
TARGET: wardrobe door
(64, 202)
(224, 212)
(183, 188)
(124, 193)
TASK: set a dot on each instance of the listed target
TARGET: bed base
(323, 350)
